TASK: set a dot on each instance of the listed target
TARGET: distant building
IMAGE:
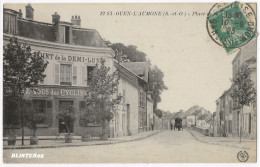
(191, 120)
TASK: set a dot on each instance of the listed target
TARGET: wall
(128, 126)
(190, 120)
(149, 114)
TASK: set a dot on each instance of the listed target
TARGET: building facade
(141, 70)
(230, 121)
(247, 120)
(149, 111)
(72, 53)
(125, 121)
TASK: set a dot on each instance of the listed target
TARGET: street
(165, 147)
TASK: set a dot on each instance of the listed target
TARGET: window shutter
(74, 75)
(84, 75)
(56, 74)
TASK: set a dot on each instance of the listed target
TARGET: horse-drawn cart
(178, 124)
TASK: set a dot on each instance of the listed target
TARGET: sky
(196, 70)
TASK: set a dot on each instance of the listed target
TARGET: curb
(215, 143)
(88, 144)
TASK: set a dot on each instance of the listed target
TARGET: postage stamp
(231, 25)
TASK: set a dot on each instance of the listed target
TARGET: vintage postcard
(129, 82)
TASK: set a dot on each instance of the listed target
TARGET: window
(39, 106)
(49, 104)
(74, 75)
(89, 72)
(65, 74)
(67, 34)
(86, 74)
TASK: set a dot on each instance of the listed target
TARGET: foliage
(156, 84)
(102, 89)
(88, 115)
(22, 70)
(131, 52)
(243, 91)
(33, 118)
(67, 114)
(158, 112)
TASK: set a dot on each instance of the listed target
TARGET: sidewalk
(50, 142)
(225, 141)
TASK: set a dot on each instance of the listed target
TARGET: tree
(158, 112)
(67, 114)
(102, 89)
(156, 85)
(33, 117)
(22, 70)
(131, 52)
(243, 91)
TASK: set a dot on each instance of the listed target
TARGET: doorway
(62, 126)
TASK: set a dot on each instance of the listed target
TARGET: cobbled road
(165, 147)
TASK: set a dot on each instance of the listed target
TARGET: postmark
(242, 156)
(231, 25)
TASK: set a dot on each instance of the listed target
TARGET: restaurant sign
(69, 58)
(56, 92)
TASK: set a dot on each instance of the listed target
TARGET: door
(62, 126)
(128, 119)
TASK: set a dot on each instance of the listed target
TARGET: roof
(208, 117)
(126, 72)
(87, 37)
(36, 30)
(203, 117)
(50, 32)
(139, 68)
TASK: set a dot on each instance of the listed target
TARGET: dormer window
(67, 34)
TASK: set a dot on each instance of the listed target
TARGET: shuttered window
(56, 74)
(74, 82)
(65, 74)
(84, 75)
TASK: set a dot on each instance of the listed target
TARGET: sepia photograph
(129, 83)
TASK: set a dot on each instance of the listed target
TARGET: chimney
(29, 12)
(76, 21)
(55, 18)
(20, 14)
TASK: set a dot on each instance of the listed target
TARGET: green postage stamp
(231, 25)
